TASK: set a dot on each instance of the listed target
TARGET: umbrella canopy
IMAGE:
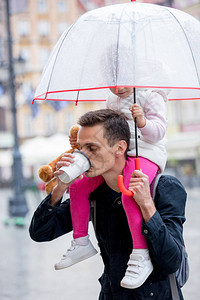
(135, 44)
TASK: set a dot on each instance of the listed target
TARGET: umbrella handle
(121, 183)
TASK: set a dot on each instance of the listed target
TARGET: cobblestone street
(26, 267)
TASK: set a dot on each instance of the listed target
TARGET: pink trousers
(80, 207)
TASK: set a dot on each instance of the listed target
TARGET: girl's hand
(61, 187)
(137, 112)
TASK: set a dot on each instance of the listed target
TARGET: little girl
(150, 113)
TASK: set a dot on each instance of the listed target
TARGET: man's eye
(92, 149)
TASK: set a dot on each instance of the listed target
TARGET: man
(104, 137)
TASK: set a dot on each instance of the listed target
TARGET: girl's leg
(131, 208)
(79, 204)
(139, 264)
(81, 247)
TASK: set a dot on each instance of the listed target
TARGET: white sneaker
(139, 269)
(75, 254)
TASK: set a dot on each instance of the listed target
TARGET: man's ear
(121, 147)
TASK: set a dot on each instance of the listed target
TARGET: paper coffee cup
(79, 166)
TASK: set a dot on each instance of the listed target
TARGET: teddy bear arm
(53, 163)
(45, 173)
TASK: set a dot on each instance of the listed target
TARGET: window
(62, 6)
(25, 54)
(24, 28)
(43, 28)
(28, 125)
(190, 112)
(50, 123)
(62, 26)
(43, 56)
(69, 121)
(42, 6)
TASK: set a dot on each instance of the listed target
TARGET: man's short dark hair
(114, 123)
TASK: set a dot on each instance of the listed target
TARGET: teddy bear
(45, 172)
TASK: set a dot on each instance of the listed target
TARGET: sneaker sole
(88, 255)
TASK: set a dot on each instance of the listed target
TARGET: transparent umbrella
(134, 44)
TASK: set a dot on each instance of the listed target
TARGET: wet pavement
(26, 267)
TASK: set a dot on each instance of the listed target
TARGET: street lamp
(17, 203)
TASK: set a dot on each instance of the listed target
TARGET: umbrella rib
(118, 34)
(81, 71)
(187, 42)
(57, 55)
(76, 103)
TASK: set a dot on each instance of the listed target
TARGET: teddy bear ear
(74, 130)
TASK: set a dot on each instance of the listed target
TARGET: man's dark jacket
(163, 233)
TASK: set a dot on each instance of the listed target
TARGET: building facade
(36, 25)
